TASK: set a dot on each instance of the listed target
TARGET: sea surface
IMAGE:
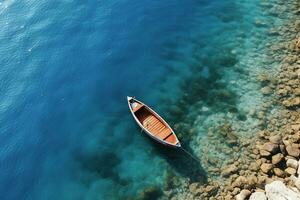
(66, 69)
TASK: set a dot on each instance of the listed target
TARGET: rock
(278, 191)
(194, 188)
(266, 167)
(292, 102)
(258, 196)
(282, 92)
(243, 195)
(277, 158)
(240, 181)
(261, 180)
(290, 171)
(292, 163)
(210, 189)
(295, 127)
(270, 147)
(275, 139)
(278, 172)
(228, 197)
(236, 191)
(293, 151)
(264, 153)
(231, 169)
(282, 149)
(266, 90)
(253, 167)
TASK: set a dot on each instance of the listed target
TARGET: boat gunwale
(177, 145)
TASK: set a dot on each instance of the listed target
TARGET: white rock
(258, 196)
(278, 191)
(292, 163)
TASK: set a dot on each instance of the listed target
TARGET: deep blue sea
(66, 69)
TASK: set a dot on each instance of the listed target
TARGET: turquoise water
(67, 67)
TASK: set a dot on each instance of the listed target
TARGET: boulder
(278, 191)
(244, 194)
(293, 151)
(270, 147)
(258, 196)
(277, 158)
(275, 139)
(292, 163)
(266, 167)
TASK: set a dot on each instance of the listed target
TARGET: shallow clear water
(66, 69)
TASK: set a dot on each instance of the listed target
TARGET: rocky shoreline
(265, 165)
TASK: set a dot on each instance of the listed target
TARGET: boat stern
(178, 144)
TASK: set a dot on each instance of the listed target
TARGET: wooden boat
(152, 124)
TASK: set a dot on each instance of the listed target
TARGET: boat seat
(168, 136)
(139, 106)
(163, 133)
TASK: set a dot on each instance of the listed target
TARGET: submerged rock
(278, 191)
(240, 181)
(229, 170)
(194, 188)
(258, 196)
(266, 90)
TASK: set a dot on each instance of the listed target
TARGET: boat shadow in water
(181, 162)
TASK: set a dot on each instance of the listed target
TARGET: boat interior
(152, 123)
